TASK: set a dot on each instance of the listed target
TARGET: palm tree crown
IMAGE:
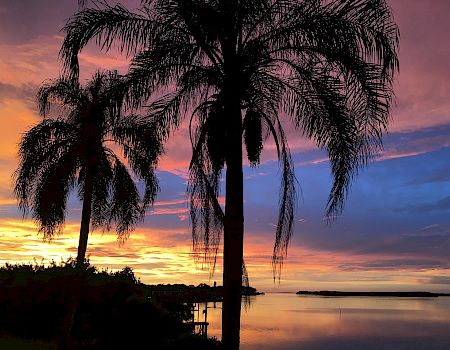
(73, 150)
(237, 66)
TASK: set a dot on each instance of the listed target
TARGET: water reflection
(247, 301)
(288, 321)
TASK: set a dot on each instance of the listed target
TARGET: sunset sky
(394, 233)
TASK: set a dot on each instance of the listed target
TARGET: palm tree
(237, 68)
(73, 150)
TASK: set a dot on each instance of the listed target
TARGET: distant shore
(327, 293)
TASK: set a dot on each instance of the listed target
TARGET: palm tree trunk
(68, 342)
(233, 234)
(85, 219)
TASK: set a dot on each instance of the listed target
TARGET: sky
(394, 233)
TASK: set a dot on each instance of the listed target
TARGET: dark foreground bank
(114, 311)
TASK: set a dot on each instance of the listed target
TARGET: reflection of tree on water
(247, 301)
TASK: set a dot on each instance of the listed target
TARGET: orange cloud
(104, 61)
(30, 62)
(174, 202)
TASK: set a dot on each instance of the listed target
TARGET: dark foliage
(113, 311)
(192, 294)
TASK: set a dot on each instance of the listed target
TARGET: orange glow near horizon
(157, 257)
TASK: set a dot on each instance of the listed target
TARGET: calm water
(288, 321)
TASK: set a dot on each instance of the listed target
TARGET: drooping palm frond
(51, 192)
(102, 189)
(61, 92)
(46, 173)
(206, 214)
(142, 147)
(341, 57)
(126, 209)
(204, 184)
(267, 113)
(39, 149)
(109, 24)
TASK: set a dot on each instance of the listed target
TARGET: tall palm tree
(73, 149)
(237, 67)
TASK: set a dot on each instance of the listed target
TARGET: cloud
(440, 280)
(24, 92)
(423, 85)
(439, 205)
(393, 264)
(30, 62)
(441, 175)
(168, 211)
(170, 203)
(25, 20)
(92, 59)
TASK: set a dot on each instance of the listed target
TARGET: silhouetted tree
(236, 66)
(74, 149)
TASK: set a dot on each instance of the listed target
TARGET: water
(288, 321)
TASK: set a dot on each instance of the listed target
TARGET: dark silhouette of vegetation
(73, 150)
(236, 67)
(192, 294)
(113, 313)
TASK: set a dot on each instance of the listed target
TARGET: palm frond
(204, 184)
(206, 213)
(142, 147)
(125, 210)
(61, 91)
(39, 148)
(268, 116)
(51, 191)
(107, 24)
(102, 189)
(162, 68)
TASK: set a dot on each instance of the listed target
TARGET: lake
(289, 321)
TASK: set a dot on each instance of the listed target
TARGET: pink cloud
(174, 202)
(168, 211)
(423, 87)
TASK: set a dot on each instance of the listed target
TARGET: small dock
(197, 326)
